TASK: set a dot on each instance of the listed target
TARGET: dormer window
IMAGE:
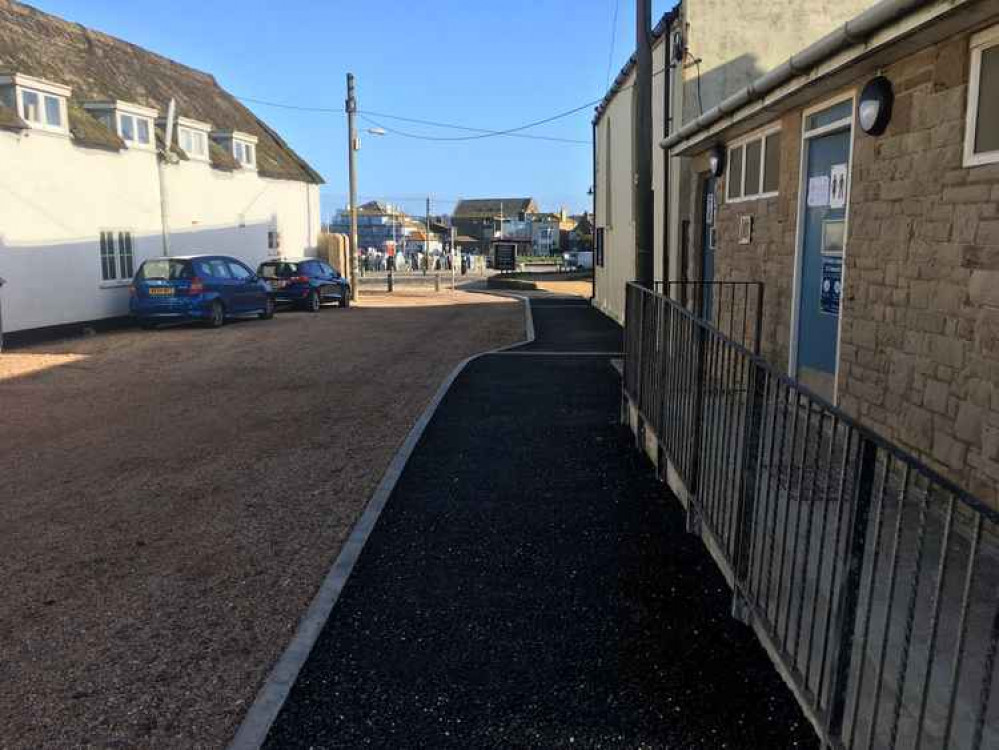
(192, 137)
(41, 104)
(132, 122)
(242, 146)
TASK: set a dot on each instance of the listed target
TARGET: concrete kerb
(256, 724)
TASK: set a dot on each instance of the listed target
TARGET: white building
(87, 192)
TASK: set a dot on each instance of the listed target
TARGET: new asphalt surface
(530, 585)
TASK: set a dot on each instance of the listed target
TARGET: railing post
(746, 513)
(695, 463)
(849, 592)
(759, 318)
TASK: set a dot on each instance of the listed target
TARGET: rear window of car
(278, 270)
(166, 269)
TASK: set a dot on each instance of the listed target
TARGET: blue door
(825, 193)
(707, 246)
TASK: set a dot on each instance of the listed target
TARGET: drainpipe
(162, 162)
(593, 205)
(668, 121)
(2, 282)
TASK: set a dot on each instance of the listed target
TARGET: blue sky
(485, 63)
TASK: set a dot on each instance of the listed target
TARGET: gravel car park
(172, 501)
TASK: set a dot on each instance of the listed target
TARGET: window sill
(750, 198)
(980, 160)
(33, 129)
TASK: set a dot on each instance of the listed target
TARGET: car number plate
(161, 291)
(280, 284)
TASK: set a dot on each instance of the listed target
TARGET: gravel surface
(172, 499)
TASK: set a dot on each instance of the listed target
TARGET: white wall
(56, 198)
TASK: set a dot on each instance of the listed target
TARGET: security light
(874, 108)
(716, 161)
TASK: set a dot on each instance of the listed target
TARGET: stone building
(879, 250)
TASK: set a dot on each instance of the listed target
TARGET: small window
(125, 259)
(53, 111)
(273, 240)
(735, 173)
(981, 142)
(126, 127)
(142, 130)
(108, 271)
(30, 105)
(248, 155)
(599, 247)
(754, 167)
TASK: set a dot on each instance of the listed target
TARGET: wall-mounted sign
(837, 187)
(832, 285)
(833, 236)
(818, 191)
(745, 230)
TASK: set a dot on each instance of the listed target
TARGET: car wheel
(345, 298)
(313, 303)
(216, 317)
(268, 312)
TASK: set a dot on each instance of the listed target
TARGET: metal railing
(733, 307)
(872, 581)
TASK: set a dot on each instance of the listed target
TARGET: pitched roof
(489, 207)
(101, 67)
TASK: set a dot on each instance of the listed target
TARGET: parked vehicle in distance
(210, 288)
(305, 282)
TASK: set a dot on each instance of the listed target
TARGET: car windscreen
(166, 269)
(278, 270)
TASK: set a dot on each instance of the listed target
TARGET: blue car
(307, 283)
(209, 288)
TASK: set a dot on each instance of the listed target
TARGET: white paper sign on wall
(818, 191)
(837, 188)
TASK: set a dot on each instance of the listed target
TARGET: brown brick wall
(920, 347)
(919, 353)
(770, 255)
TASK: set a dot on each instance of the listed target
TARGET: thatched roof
(9, 119)
(100, 67)
(87, 131)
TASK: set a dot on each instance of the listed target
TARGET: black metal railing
(733, 307)
(872, 581)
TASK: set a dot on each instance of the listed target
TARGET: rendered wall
(56, 198)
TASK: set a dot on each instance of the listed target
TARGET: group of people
(377, 260)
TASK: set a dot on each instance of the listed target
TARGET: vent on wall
(745, 230)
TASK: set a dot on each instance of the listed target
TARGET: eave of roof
(9, 119)
(91, 133)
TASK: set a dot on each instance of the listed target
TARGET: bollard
(437, 282)
(390, 280)
(2, 282)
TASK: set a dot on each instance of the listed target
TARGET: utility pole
(426, 244)
(352, 146)
(642, 148)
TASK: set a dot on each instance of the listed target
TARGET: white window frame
(757, 135)
(134, 141)
(42, 123)
(196, 136)
(979, 43)
(245, 153)
(116, 257)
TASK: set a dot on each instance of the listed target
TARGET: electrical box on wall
(745, 230)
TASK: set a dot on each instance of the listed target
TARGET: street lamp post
(353, 144)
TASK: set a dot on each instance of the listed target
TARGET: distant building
(377, 223)
(482, 218)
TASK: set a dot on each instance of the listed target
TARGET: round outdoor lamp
(716, 161)
(874, 109)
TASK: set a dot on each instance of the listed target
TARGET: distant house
(377, 223)
(580, 237)
(482, 218)
(90, 189)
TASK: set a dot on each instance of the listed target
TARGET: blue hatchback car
(306, 282)
(210, 288)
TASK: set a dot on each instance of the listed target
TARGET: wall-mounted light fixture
(874, 107)
(716, 161)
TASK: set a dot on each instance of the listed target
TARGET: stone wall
(919, 354)
(769, 257)
(919, 351)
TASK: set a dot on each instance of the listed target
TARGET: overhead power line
(471, 129)
(613, 40)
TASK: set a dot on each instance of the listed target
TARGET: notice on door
(818, 191)
(837, 190)
(832, 285)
